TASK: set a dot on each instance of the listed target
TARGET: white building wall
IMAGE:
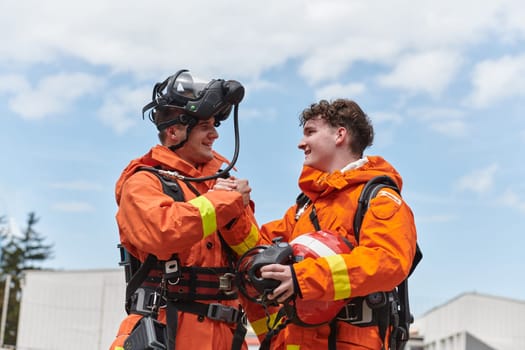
(498, 322)
(67, 310)
(82, 310)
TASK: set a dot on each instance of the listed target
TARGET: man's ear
(341, 135)
(171, 132)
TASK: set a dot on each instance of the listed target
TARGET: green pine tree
(3, 237)
(19, 254)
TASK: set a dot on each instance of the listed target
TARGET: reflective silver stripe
(390, 195)
(313, 244)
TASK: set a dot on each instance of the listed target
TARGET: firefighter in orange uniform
(335, 135)
(191, 276)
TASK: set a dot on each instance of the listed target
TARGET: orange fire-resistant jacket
(151, 222)
(379, 263)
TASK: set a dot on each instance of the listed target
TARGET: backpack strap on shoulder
(169, 186)
(368, 192)
(397, 312)
(137, 272)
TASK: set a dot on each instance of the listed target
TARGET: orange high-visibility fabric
(151, 222)
(191, 333)
(380, 262)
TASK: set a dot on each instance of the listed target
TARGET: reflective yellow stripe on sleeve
(118, 348)
(207, 211)
(292, 347)
(260, 327)
(340, 278)
(249, 242)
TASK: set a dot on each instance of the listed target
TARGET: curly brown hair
(345, 113)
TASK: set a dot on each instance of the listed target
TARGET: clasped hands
(278, 272)
(234, 184)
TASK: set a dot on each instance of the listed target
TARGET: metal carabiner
(225, 283)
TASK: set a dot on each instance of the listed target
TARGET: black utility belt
(195, 283)
(361, 311)
(144, 300)
(213, 311)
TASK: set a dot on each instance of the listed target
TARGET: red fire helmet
(315, 245)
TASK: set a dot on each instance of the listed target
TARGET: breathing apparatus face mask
(309, 245)
(195, 100)
(198, 99)
(252, 284)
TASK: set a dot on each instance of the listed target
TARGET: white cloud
(151, 39)
(12, 83)
(347, 32)
(447, 121)
(122, 108)
(435, 218)
(260, 114)
(495, 80)
(430, 114)
(385, 132)
(511, 26)
(258, 85)
(333, 91)
(326, 37)
(426, 72)
(512, 200)
(73, 207)
(52, 95)
(77, 186)
(385, 117)
(422, 43)
(454, 128)
(479, 181)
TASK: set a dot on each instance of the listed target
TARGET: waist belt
(194, 283)
(164, 284)
(145, 299)
(214, 311)
(362, 311)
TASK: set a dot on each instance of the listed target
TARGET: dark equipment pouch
(149, 334)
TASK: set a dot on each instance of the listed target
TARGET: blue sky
(443, 82)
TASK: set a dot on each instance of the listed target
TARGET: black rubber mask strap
(180, 144)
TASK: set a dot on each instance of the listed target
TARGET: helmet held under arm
(313, 245)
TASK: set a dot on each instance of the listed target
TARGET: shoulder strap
(137, 272)
(172, 188)
(399, 335)
(169, 186)
(369, 191)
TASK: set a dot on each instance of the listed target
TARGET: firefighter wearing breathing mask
(179, 229)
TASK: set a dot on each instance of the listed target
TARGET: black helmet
(198, 100)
